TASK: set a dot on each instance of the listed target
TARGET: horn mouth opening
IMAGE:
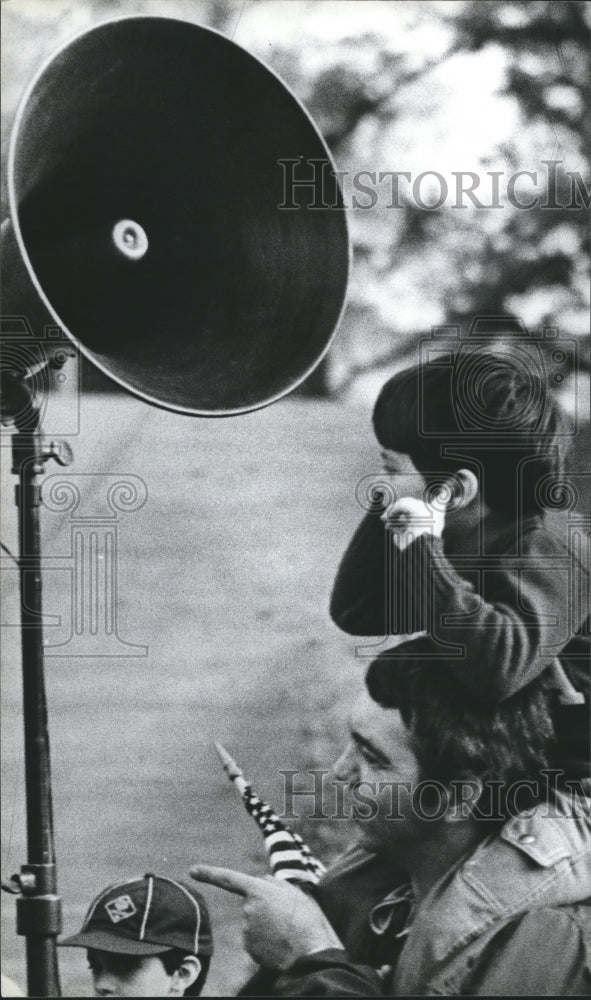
(157, 143)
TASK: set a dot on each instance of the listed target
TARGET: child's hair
(484, 400)
(173, 959)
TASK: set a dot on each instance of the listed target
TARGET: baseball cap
(147, 916)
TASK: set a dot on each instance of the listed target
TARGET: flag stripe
(279, 841)
(289, 857)
(285, 856)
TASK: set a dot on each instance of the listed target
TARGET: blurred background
(224, 573)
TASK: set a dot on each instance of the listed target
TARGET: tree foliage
(368, 98)
(394, 95)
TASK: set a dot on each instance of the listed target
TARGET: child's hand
(408, 518)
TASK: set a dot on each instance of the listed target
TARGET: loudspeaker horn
(174, 211)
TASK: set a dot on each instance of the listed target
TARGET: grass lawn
(224, 575)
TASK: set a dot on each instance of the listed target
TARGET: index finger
(227, 878)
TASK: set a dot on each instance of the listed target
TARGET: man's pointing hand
(281, 923)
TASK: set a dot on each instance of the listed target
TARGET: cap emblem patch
(120, 908)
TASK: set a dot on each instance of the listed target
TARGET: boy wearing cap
(147, 937)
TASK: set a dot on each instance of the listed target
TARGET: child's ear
(186, 974)
(465, 487)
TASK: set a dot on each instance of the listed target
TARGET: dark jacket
(503, 603)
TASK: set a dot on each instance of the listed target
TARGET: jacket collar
(538, 859)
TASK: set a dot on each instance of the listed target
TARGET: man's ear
(465, 488)
(186, 974)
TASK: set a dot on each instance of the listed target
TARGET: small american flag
(289, 857)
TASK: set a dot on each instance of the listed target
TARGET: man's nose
(346, 767)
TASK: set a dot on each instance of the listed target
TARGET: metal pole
(38, 907)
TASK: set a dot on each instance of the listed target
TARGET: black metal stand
(38, 906)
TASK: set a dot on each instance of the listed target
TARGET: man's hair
(423, 408)
(173, 959)
(457, 739)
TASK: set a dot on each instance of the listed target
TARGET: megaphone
(150, 218)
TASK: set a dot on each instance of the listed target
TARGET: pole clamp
(38, 916)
